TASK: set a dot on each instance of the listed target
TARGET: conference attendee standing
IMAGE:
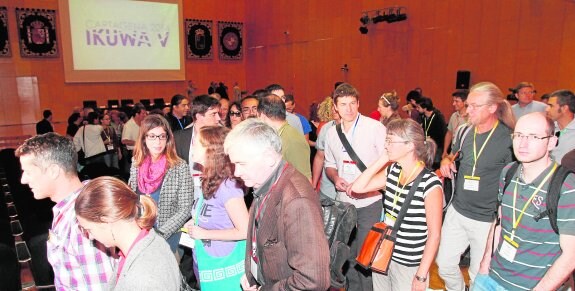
(89, 139)
(178, 116)
(111, 213)
(49, 168)
(111, 142)
(411, 154)
(158, 172)
(219, 217)
(130, 134)
(45, 125)
(524, 92)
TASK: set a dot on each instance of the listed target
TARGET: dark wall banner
(4, 41)
(230, 40)
(37, 31)
(199, 39)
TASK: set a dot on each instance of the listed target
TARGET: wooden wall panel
(501, 41)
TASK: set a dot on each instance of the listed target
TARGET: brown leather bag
(377, 248)
(379, 242)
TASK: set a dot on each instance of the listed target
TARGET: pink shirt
(123, 256)
(367, 137)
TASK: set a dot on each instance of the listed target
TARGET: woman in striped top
(409, 152)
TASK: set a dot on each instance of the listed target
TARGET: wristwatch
(420, 279)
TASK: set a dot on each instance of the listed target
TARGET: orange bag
(377, 248)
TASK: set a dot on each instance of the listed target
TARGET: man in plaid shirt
(49, 168)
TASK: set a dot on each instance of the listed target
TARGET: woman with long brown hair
(110, 212)
(220, 217)
(158, 172)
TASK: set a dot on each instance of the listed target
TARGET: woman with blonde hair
(111, 213)
(387, 107)
(220, 232)
(411, 153)
(159, 173)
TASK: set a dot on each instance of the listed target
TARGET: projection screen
(122, 40)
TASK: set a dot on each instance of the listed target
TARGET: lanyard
(199, 205)
(516, 221)
(428, 125)
(398, 193)
(475, 154)
(352, 131)
(259, 212)
(179, 122)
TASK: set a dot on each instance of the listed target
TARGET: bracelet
(420, 279)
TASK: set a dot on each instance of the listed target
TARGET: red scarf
(151, 174)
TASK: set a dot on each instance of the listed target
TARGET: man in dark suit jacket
(45, 125)
(289, 250)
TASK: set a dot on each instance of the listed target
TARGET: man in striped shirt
(49, 168)
(529, 255)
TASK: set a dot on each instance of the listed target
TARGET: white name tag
(254, 269)
(389, 220)
(110, 147)
(349, 167)
(187, 241)
(508, 251)
(471, 183)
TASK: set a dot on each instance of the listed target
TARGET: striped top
(412, 233)
(538, 243)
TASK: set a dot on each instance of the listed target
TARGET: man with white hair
(288, 250)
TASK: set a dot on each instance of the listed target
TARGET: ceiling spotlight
(391, 16)
(378, 18)
(400, 16)
(364, 19)
(363, 30)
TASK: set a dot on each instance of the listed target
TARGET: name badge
(254, 269)
(349, 167)
(187, 241)
(471, 183)
(389, 219)
(508, 249)
(110, 147)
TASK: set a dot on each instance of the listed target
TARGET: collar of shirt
(258, 193)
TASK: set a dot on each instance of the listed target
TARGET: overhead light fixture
(364, 19)
(363, 30)
(378, 17)
(399, 15)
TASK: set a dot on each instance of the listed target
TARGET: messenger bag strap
(360, 165)
(407, 201)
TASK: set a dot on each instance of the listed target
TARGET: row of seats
(123, 103)
(24, 224)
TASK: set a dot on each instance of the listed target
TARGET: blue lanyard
(352, 131)
(179, 122)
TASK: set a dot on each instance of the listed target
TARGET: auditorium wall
(304, 44)
(60, 97)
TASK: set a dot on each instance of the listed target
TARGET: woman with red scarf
(159, 173)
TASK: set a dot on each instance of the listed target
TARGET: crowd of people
(220, 194)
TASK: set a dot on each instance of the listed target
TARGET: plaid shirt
(78, 263)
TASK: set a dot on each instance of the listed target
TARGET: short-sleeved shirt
(498, 152)
(294, 121)
(455, 121)
(412, 233)
(566, 141)
(534, 106)
(130, 132)
(367, 138)
(326, 186)
(214, 215)
(538, 243)
(304, 123)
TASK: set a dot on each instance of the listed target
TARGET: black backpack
(553, 193)
(339, 219)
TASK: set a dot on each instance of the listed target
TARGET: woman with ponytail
(409, 153)
(111, 213)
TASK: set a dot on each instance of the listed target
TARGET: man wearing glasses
(525, 92)
(525, 243)
(483, 153)
(249, 107)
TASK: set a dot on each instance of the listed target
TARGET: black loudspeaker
(463, 78)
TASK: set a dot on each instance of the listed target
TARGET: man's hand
(340, 184)
(447, 168)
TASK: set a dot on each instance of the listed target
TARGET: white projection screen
(122, 40)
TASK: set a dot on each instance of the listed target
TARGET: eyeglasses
(390, 141)
(253, 109)
(162, 136)
(236, 113)
(528, 137)
(474, 106)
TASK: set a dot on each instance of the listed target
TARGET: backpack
(339, 219)
(449, 184)
(553, 193)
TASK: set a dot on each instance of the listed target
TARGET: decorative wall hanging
(4, 41)
(230, 40)
(199, 39)
(37, 30)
